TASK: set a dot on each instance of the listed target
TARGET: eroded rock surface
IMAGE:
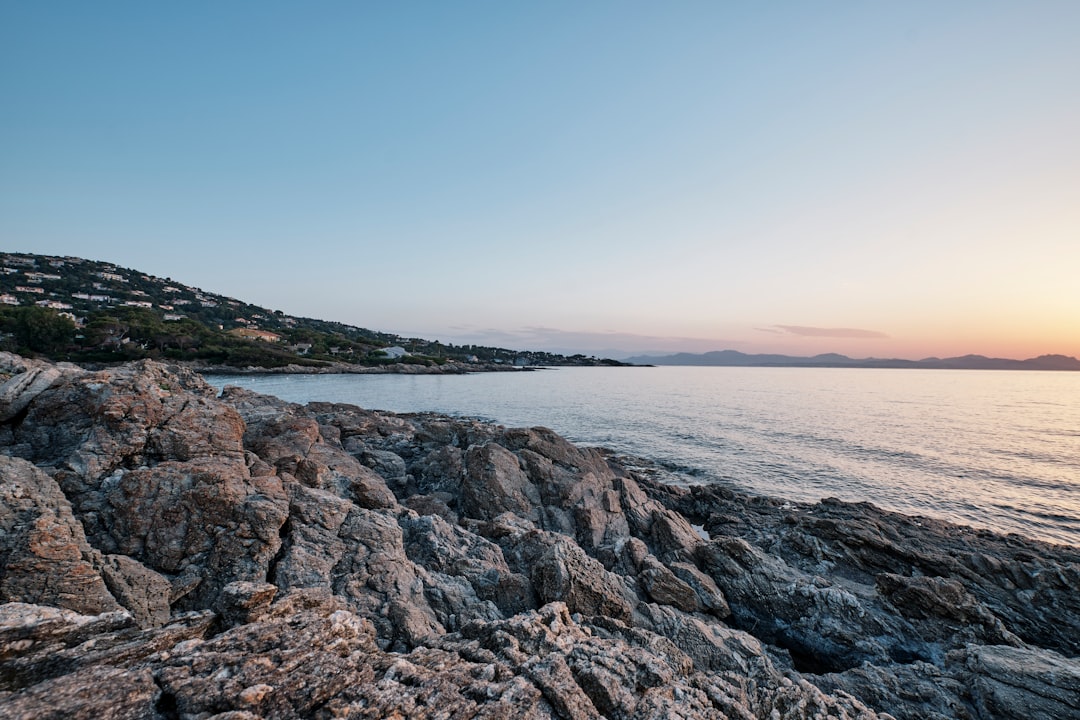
(165, 553)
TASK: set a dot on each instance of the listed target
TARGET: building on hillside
(53, 304)
(25, 288)
(395, 353)
(7, 299)
(255, 334)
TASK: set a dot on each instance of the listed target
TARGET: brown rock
(139, 589)
(494, 483)
(44, 556)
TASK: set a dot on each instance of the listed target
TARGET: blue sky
(879, 179)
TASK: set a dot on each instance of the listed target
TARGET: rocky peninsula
(168, 553)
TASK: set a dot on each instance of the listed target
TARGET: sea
(990, 449)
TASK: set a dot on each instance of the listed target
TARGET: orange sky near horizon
(594, 177)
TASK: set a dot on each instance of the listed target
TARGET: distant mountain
(734, 358)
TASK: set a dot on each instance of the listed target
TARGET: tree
(43, 330)
(105, 330)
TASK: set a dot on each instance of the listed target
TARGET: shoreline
(242, 553)
(449, 368)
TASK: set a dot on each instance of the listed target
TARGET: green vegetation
(78, 310)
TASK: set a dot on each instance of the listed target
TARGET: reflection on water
(995, 449)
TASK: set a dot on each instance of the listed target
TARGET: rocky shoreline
(450, 367)
(166, 553)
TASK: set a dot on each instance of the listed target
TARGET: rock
(282, 668)
(664, 587)
(17, 392)
(563, 572)
(1021, 683)
(139, 589)
(39, 643)
(389, 466)
(946, 601)
(244, 602)
(44, 556)
(494, 483)
(167, 553)
(826, 627)
(451, 551)
(90, 694)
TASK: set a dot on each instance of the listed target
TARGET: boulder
(44, 556)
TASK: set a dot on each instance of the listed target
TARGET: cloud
(850, 333)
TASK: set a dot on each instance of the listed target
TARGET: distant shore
(450, 368)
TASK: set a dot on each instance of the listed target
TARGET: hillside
(68, 308)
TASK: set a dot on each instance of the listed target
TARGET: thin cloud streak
(847, 333)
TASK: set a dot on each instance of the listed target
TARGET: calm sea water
(984, 448)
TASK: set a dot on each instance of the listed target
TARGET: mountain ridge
(735, 358)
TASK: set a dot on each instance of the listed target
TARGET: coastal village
(115, 313)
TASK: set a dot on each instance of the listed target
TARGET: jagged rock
(244, 602)
(143, 592)
(664, 587)
(440, 547)
(16, 392)
(279, 560)
(825, 626)
(560, 570)
(1021, 683)
(39, 643)
(494, 483)
(360, 555)
(944, 600)
(88, 694)
(282, 668)
(44, 556)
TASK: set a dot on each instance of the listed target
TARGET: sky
(876, 179)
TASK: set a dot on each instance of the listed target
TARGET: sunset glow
(884, 180)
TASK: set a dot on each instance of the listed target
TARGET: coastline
(339, 368)
(347, 561)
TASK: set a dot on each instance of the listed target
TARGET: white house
(395, 352)
(54, 304)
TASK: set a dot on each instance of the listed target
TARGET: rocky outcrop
(167, 553)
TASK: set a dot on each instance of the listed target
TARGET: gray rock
(278, 560)
(44, 556)
(143, 592)
(494, 483)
